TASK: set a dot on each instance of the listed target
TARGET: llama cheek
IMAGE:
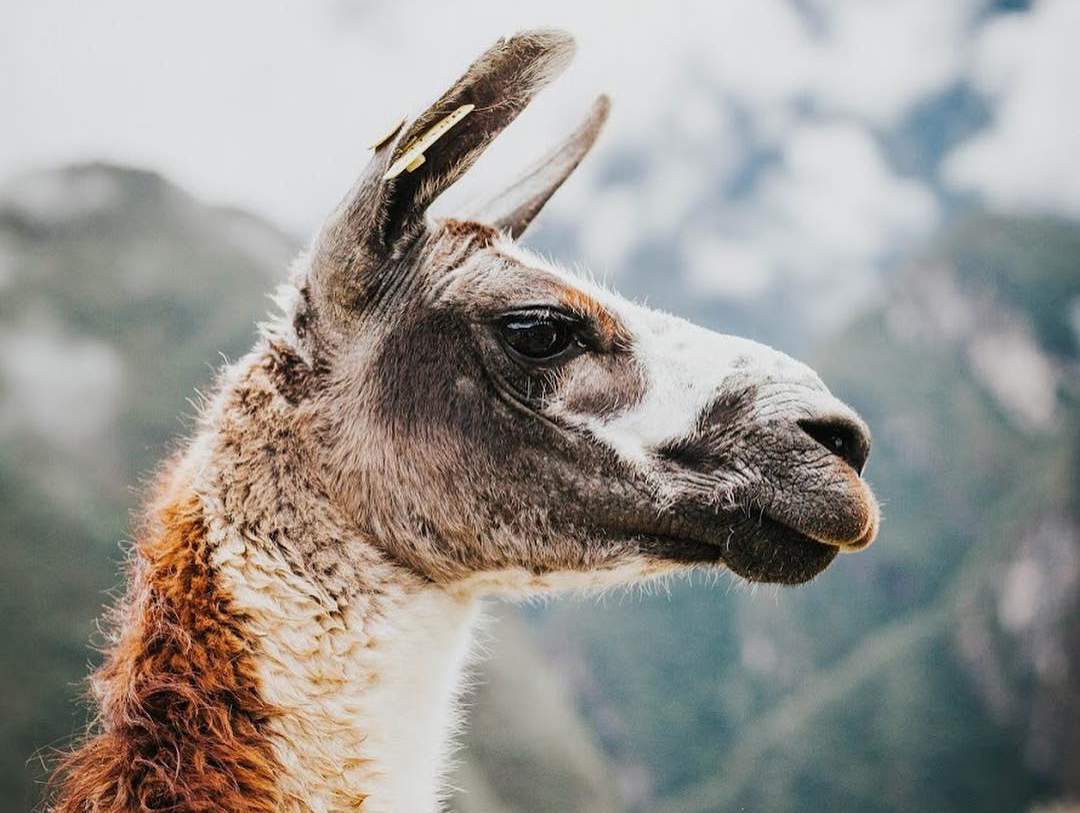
(601, 388)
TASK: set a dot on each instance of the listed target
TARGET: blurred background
(889, 189)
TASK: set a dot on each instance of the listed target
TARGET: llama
(436, 415)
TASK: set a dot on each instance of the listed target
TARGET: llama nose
(844, 437)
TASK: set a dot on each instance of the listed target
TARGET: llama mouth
(767, 550)
(760, 549)
(787, 544)
(763, 545)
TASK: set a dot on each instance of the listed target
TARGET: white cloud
(762, 54)
(614, 226)
(838, 201)
(1028, 158)
(826, 217)
(878, 59)
(269, 105)
(870, 60)
(728, 267)
(62, 388)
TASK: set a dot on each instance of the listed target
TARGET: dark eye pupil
(537, 338)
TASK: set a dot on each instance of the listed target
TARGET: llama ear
(418, 162)
(513, 209)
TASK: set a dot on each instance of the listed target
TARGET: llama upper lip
(842, 514)
(860, 542)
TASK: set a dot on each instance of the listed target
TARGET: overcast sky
(269, 106)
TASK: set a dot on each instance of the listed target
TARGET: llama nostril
(842, 437)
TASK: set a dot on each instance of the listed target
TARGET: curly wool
(181, 726)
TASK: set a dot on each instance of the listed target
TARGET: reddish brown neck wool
(180, 724)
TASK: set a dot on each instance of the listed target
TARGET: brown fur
(180, 722)
(611, 331)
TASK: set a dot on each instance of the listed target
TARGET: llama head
(491, 419)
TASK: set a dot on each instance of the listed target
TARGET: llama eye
(537, 338)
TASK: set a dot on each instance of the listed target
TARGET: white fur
(412, 708)
(368, 697)
(685, 366)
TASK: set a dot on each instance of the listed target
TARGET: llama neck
(268, 657)
(365, 696)
(360, 658)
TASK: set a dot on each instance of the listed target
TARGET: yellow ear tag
(374, 145)
(414, 153)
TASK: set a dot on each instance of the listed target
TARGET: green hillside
(938, 671)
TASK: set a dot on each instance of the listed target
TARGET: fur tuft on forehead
(480, 234)
(613, 333)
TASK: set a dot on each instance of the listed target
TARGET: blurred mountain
(117, 291)
(940, 670)
(525, 748)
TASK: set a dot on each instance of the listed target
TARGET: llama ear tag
(387, 135)
(413, 156)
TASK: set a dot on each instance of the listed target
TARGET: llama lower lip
(766, 550)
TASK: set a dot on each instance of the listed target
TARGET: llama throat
(436, 415)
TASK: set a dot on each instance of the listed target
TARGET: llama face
(496, 421)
